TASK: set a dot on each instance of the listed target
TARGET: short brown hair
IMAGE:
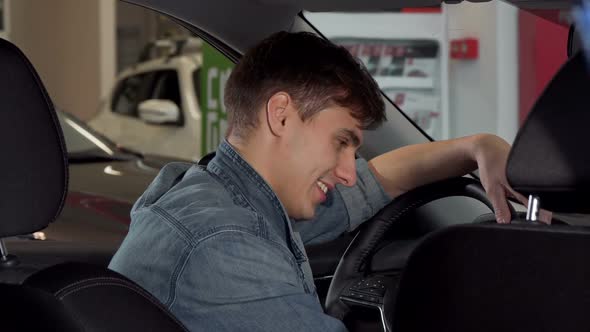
(313, 71)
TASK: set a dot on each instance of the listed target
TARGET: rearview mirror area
(573, 41)
(160, 112)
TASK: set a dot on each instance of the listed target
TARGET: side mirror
(160, 111)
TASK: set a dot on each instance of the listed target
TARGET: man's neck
(257, 155)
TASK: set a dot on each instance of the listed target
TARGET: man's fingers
(523, 200)
(498, 198)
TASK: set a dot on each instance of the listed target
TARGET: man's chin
(304, 215)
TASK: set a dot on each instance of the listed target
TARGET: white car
(154, 105)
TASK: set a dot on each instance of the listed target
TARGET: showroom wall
(135, 27)
(71, 43)
(483, 93)
(474, 95)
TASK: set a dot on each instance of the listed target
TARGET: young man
(220, 246)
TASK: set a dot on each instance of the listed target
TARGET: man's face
(316, 155)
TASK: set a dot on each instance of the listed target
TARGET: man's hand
(491, 154)
(412, 166)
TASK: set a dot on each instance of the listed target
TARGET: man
(217, 245)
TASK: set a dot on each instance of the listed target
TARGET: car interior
(409, 268)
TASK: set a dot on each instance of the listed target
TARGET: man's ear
(278, 110)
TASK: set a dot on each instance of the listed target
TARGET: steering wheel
(351, 283)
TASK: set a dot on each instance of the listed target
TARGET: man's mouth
(322, 186)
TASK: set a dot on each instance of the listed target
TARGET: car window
(126, 54)
(81, 139)
(455, 70)
(129, 93)
(165, 86)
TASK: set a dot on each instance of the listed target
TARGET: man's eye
(342, 143)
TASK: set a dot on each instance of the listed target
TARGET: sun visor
(550, 157)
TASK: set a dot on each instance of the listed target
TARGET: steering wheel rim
(352, 264)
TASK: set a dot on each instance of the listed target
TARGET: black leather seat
(524, 276)
(66, 297)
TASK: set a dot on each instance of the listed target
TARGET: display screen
(407, 71)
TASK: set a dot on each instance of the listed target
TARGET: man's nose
(345, 171)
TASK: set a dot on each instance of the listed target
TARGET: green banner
(214, 73)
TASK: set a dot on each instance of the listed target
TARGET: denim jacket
(215, 246)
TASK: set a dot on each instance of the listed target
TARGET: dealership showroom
(465, 79)
(135, 90)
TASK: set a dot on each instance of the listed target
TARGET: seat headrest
(549, 157)
(34, 163)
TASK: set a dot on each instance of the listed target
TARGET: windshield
(455, 70)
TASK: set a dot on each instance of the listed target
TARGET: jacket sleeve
(345, 209)
(236, 281)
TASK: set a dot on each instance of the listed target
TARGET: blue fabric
(217, 248)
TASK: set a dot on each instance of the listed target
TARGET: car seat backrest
(69, 297)
(103, 300)
(549, 157)
(28, 309)
(35, 167)
(497, 278)
(523, 276)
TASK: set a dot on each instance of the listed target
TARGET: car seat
(70, 296)
(525, 276)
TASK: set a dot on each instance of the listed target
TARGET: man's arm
(411, 166)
